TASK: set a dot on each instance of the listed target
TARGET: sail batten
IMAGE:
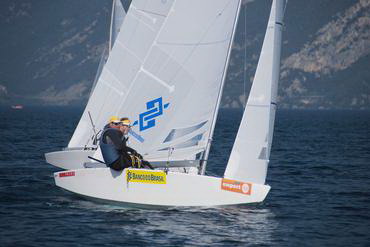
(250, 154)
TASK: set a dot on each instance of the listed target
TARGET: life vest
(109, 151)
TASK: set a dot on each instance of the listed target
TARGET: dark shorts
(125, 161)
(120, 164)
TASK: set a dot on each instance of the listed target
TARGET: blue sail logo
(147, 119)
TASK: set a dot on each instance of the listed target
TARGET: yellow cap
(114, 119)
(126, 122)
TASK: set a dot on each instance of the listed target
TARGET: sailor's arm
(132, 151)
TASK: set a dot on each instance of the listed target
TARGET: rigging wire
(286, 4)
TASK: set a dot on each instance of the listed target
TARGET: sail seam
(112, 87)
(141, 21)
(150, 12)
(127, 49)
(114, 76)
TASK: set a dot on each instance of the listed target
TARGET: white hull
(69, 159)
(179, 189)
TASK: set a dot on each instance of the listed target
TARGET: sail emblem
(154, 109)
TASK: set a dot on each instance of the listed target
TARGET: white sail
(118, 15)
(160, 75)
(250, 154)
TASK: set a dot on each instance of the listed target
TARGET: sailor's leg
(117, 165)
(121, 163)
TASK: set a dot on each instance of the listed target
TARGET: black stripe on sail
(279, 23)
(273, 103)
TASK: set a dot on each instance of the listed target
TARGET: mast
(216, 110)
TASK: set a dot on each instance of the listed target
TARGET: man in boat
(113, 144)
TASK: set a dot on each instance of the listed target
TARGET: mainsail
(251, 151)
(160, 76)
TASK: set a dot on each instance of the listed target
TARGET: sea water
(319, 174)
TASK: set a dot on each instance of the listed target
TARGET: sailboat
(79, 148)
(166, 72)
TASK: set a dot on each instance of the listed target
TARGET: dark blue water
(319, 173)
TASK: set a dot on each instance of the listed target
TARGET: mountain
(50, 52)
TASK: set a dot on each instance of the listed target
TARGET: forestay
(251, 151)
(165, 72)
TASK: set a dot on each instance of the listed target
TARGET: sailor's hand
(139, 155)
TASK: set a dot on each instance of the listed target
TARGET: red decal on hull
(66, 174)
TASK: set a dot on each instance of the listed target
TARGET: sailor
(113, 144)
(112, 121)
